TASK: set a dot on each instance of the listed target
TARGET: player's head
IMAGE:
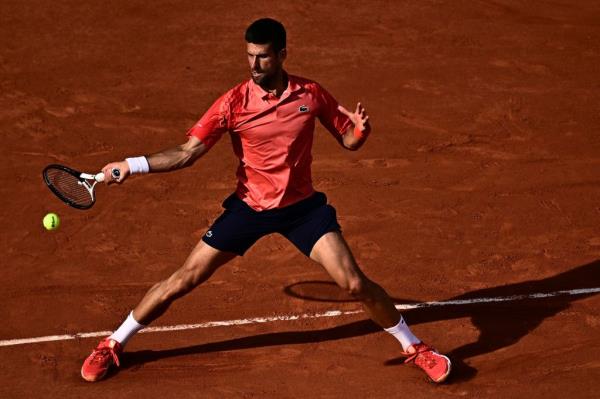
(266, 41)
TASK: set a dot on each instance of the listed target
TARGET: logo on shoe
(303, 108)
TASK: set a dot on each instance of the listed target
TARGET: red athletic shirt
(272, 137)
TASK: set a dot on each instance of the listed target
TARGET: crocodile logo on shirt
(303, 108)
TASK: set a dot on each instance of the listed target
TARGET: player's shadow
(500, 324)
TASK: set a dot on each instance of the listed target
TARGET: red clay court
(480, 180)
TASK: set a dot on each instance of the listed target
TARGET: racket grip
(115, 173)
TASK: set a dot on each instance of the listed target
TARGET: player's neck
(277, 84)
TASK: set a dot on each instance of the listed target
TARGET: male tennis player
(271, 121)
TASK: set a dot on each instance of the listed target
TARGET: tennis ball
(51, 221)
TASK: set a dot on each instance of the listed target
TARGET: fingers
(363, 118)
(359, 117)
(360, 110)
(111, 177)
(107, 170)
(345, 111)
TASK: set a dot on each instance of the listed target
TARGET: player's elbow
(354, 146)
(191, 153)
(192, 156)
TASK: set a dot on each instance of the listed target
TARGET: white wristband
(138, 165)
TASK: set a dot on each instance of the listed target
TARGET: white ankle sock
(403, 334)
(127, 330)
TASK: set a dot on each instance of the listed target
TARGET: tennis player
(271, 120)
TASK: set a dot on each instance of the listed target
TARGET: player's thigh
(334, 254)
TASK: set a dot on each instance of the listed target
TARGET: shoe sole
(93, 378)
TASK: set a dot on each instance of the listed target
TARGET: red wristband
(360, 135)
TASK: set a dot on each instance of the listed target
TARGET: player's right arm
(173, 158)
(177, 157)
(201, 137)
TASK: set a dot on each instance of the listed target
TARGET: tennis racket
(73, 187)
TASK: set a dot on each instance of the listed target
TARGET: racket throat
(89, 187)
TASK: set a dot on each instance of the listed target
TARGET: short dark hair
(267, 30)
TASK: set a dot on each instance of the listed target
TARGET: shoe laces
(101, 354)
(423, 356)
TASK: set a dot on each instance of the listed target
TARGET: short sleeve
(213, 123)
(330, 116)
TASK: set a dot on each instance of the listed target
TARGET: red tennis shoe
(436, 366)
(96, 365)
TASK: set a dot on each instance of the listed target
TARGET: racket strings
(69, 186)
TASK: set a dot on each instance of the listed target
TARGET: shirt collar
(292, 87)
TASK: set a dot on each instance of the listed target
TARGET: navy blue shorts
(303, 223)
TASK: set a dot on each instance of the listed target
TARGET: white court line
(330, 313)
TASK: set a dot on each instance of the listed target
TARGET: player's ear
(282, 54)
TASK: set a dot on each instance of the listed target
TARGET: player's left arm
(350, 129)
(356, 135)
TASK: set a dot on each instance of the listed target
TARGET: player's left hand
(359, 118)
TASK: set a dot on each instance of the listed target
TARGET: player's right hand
(123, 167)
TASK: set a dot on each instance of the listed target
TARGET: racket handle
(115, 173)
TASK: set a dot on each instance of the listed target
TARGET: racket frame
(84, 180)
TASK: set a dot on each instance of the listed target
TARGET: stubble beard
(267, 81)
(263, 80)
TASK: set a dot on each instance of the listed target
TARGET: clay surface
(481, 179)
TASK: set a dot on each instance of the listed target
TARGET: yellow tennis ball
(51, 221)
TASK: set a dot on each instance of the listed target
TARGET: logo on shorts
(209, 233)
(303, 108)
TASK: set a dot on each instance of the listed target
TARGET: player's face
(264, 62)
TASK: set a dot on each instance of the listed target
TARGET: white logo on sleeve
(209, 233)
